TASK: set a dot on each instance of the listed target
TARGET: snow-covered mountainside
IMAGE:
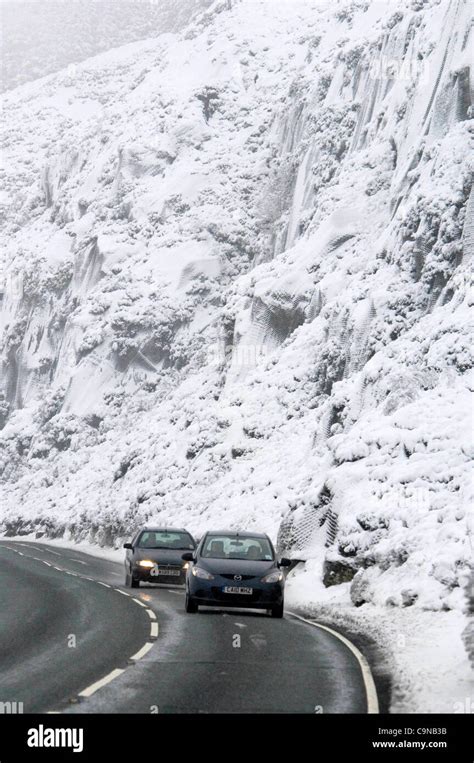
(236, 271)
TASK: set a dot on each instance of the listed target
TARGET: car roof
(242, 534)
(165, 530)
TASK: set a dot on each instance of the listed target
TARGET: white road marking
(143, 651)
(103, 682)
(154, 629)
(116, 574)
(369, 683)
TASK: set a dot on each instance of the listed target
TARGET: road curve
(210, 662)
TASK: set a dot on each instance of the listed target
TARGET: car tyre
(278, 610)
(190, 605)
(130, 582)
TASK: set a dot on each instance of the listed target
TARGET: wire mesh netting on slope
(307, 527)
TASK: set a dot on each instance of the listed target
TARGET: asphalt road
(71, 642)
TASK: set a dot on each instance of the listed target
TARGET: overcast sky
(42, 36)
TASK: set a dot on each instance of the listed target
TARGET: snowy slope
(236, 269)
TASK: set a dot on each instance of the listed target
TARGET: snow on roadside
(421, 651)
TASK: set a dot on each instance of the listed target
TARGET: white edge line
(103, 681)
(369, 683)
(143, 651)
(124, 593)
(137, 601)
(106, 585)
(154, 630)
(151, 614)
(47, 563)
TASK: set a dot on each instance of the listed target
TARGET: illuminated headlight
(273, 577)
(146, 563)
(185, 565)
(198, 572)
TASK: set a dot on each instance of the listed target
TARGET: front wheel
(130, 582)
(278, 610)
(190, 605)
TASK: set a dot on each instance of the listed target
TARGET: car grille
(241, 577)
(169, 566)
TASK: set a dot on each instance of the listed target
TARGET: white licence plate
(237, 589)
(157, 571)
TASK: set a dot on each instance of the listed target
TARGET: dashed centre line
(154, 629)
(90, 690)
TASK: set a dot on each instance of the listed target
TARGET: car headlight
(185, 565)
(146, 563)
(198, 572)
(273, 577)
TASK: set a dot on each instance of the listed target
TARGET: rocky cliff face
(236, 290)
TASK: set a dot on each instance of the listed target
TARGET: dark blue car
(235, 569)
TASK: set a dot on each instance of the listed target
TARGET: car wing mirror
(128, 545)
(187, 557)
(285, 562)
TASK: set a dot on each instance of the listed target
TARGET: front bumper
(145, 575)
(209, 593)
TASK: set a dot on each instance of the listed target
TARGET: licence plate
(158, 571)
(237, 589)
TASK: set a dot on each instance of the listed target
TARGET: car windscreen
(236, 547)
(164, 539)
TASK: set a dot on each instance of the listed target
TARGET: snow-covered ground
(236, 292)
(420, 654)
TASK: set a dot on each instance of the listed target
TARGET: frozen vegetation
(236, 293)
